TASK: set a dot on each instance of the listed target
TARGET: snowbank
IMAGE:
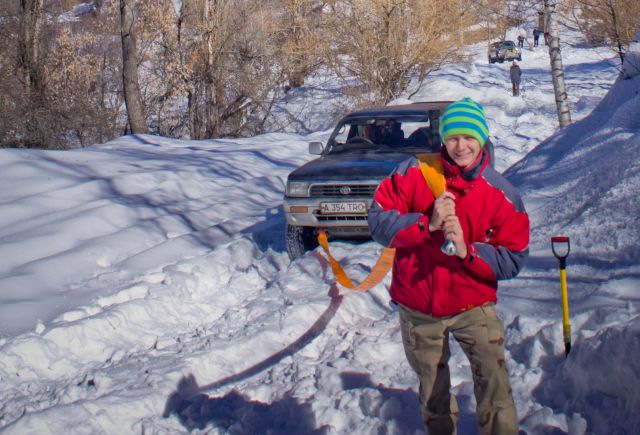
(631, 64)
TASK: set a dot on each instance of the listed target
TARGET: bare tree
(162, 59)
(299, 30)
(64, 87)
(382, 44)
(495, 16)
(131, 87)
(31, 12)
(557, 71)
(607, 22)
(52, 94)
(233, 68)
(30, 71)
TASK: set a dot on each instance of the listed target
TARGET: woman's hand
(453, 231)
(443, 208)
(444, 218)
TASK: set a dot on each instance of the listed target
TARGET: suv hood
(349, 167)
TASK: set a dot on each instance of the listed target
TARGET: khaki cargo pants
(481, 336)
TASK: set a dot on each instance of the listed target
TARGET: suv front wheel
(299, 240)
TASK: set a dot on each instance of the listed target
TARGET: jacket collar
(469, 173)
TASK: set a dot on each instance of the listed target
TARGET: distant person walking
(520, 41)
(515, 74)
(542, 25)
(536, 37)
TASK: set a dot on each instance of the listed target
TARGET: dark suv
(334, 192)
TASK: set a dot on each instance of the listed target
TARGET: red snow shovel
(561, 247)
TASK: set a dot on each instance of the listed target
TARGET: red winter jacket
(495, 226)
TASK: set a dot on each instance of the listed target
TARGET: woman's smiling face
(462, 149)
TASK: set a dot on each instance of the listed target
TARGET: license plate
(356, 207)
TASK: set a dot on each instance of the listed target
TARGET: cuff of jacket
(472, 253)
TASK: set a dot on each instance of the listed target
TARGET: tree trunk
(616, 32)
(211, 99)
(557, 71)
(132, 95)
(31, 74)
(28, 55)
(192, 110)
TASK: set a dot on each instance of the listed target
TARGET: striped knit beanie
(464, 117)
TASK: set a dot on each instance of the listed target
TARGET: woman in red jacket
(439, 294)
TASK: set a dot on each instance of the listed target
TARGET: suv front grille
(341, 218)
(345, 190)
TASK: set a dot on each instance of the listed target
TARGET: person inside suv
(374, 133)
(393, 134)
(422, 137)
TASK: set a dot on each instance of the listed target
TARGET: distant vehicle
(334, 192)
(504, 50)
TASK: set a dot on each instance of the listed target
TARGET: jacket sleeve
(507, 247)
(393, 220)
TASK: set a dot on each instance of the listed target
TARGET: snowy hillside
(145, 287)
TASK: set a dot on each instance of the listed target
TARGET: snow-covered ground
(145, 287)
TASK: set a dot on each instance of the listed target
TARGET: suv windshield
(383, 134)
(504, 45)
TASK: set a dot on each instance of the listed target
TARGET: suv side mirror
(316, 147)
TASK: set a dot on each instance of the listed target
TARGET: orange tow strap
(379, 271)
(433, 173)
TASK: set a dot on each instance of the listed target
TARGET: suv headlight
(297, 188)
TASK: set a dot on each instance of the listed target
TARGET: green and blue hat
(464, 117)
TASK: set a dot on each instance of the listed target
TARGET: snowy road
(145, 287)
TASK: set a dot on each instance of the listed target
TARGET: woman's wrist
(462, 251)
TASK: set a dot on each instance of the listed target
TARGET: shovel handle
(555, 242)
(558, 242)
